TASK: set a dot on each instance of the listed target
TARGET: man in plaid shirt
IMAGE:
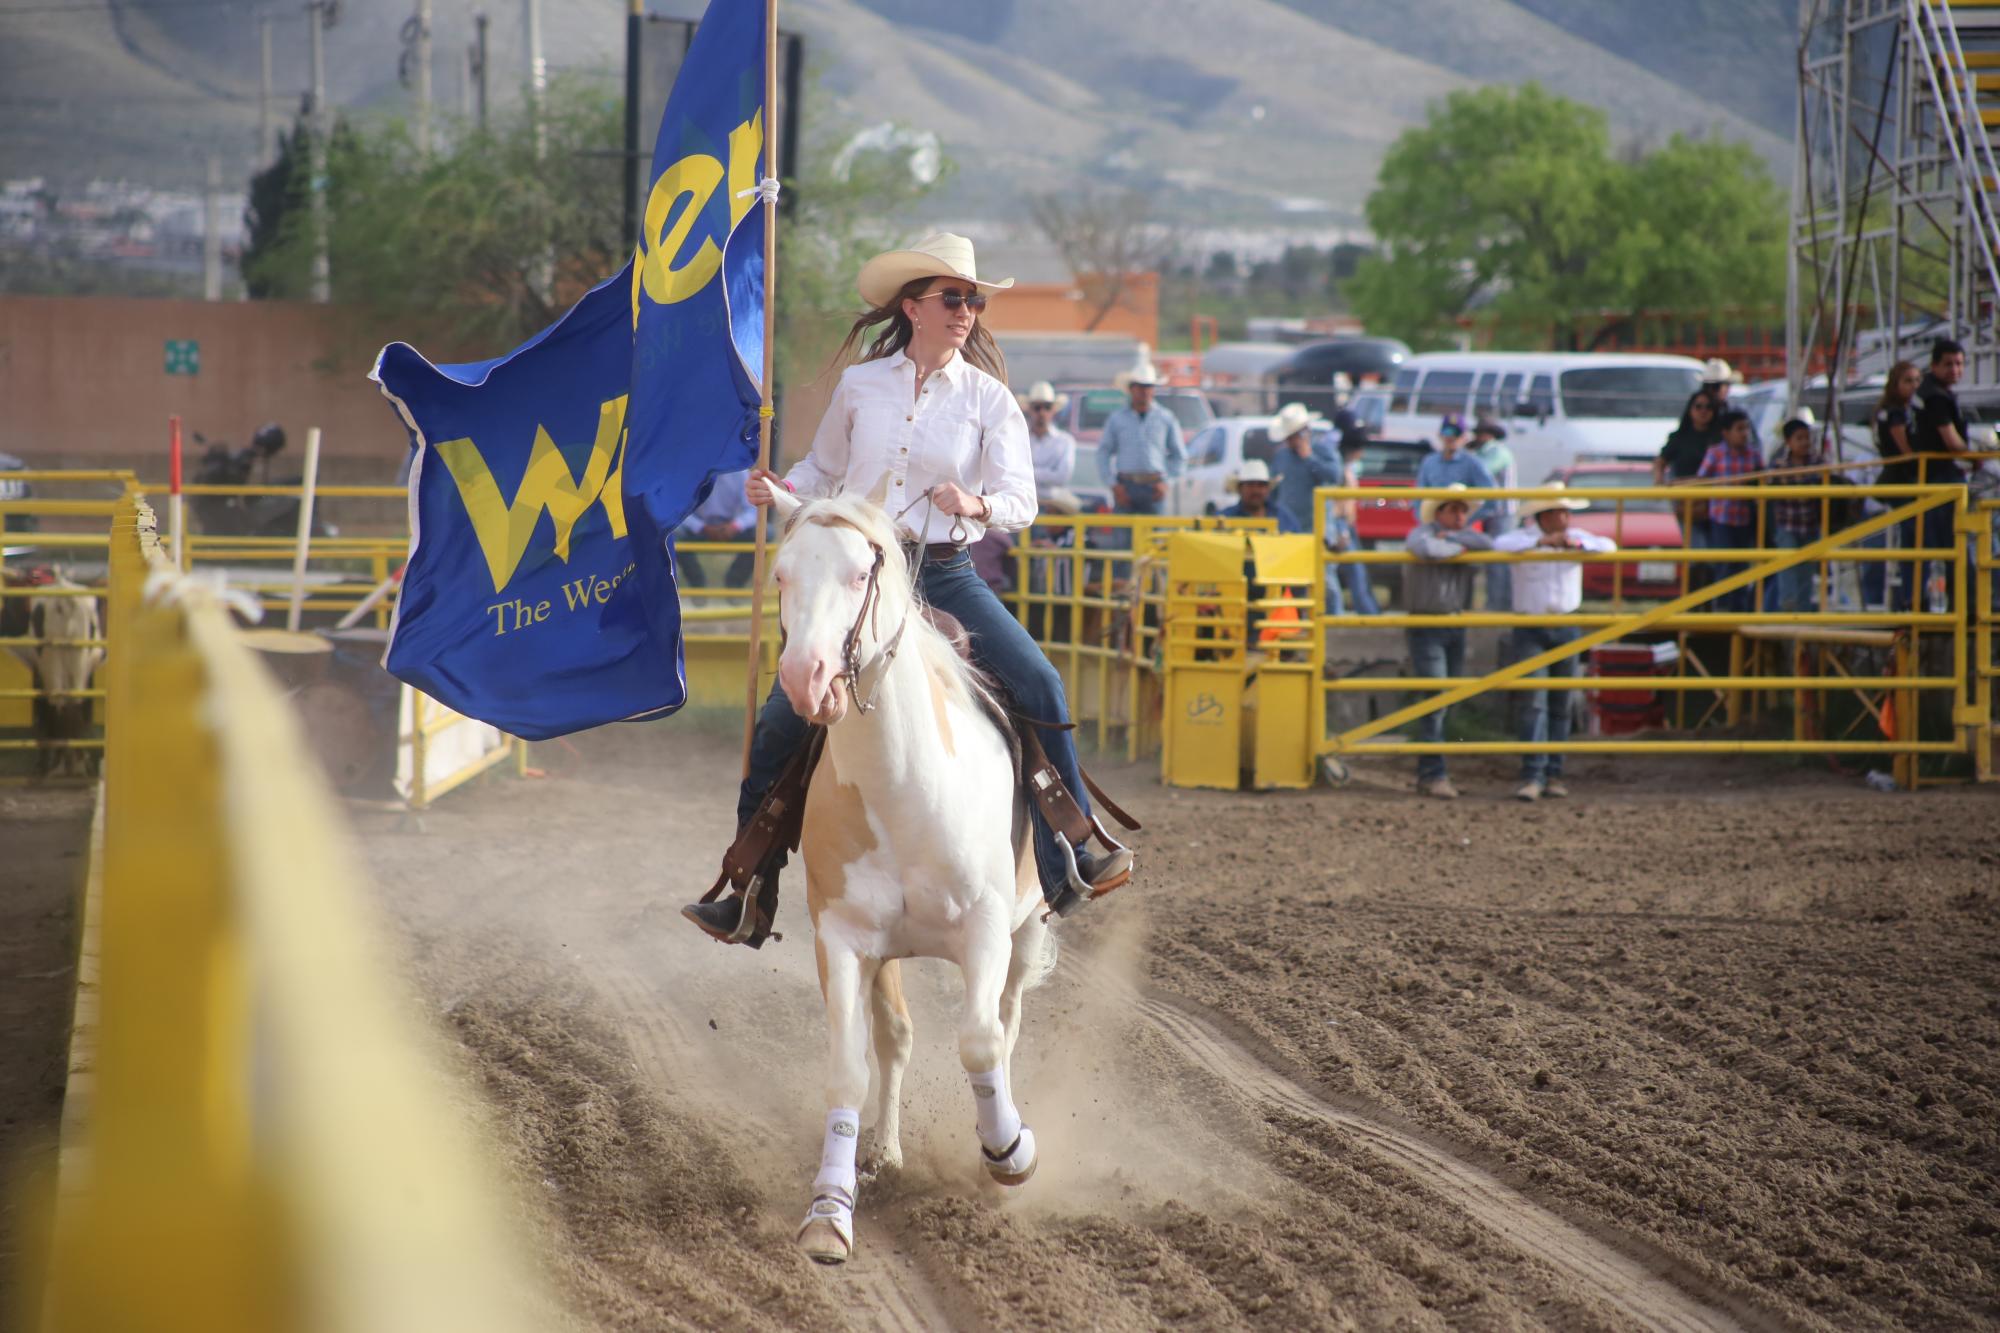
(1732, 524)
(1795, 523)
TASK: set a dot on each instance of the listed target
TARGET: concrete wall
(83, 380)
(83, 383)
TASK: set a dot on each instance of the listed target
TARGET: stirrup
(753, 921)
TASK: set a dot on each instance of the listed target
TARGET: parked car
(1216, 451)
(1638, 526)
(1559, 407)
(1384, 524)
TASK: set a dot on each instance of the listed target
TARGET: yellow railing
(257, 1138)
(1966, 629)
(71, 532)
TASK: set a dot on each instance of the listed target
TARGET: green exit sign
(183, 356)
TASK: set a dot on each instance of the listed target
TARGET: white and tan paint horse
(916, 844)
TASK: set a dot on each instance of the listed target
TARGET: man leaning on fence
(1439, 584)
(1547, 588)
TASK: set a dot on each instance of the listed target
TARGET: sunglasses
(954, 300)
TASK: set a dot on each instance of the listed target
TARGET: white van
(1556, 406)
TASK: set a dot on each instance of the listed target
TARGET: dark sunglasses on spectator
(953, 300)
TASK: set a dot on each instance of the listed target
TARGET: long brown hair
(979, 349)
(1896, 373)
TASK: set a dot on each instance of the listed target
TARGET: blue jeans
(1699, 538)
(1795, 585)
(1348, 580)
(1003, 649)
(1139, 499)
(1540, 721)
(1935, 526)
(1730, 537)
(1438, 652)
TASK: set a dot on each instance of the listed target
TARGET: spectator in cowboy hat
(1141, 446)
(1718, 377)
(1439, 584)
(1052, 448)
(1547, 588)
(1297, 467)
(1252, 487)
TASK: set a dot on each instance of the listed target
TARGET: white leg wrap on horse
(836, 1159)
(999, 1122)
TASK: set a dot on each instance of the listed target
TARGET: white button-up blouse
(964, 427)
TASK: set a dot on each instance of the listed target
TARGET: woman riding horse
(925, 418)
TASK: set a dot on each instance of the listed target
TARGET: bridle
(850, 648)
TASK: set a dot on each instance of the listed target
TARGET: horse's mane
(941, 659)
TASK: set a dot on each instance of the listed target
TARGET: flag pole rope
(768, 200)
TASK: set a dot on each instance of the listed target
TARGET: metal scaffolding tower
(1895, 235)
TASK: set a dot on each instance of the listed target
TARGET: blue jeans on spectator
(1001, 647)
(1438, 652)
(1794, 586)
(1699, 538)
(1541, 719)
(1359, 587)
(1730, 537)
(1936, 533)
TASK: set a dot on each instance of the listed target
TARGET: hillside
(1231, 111)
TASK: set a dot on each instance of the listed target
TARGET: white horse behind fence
(916, 844)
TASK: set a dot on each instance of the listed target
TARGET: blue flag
(545, 484)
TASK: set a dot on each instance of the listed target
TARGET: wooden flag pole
(770, 207)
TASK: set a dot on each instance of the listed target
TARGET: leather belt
(934, 551)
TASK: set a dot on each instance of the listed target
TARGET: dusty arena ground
(1708, 1045)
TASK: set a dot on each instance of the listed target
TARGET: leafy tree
(1510, 200)
(454, 247)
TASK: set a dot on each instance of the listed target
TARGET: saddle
(751, 864)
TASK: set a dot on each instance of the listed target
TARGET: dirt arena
(1708, 1045)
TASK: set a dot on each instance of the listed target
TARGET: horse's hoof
(1017, 1164)
(827, 1234)
(824, 1244)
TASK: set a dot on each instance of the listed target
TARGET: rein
(871, 604)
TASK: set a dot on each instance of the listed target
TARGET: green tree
(454, 247)
(1509, 200)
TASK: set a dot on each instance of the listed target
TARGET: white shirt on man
(1054, 454)
(964, 427)
(1548, 587)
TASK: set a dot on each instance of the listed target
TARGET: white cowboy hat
(1428, 510)
(1061, 500)
(938, 255)
(1291, 419)
(1146, 375)
(1530, 508)
(1041, 391)
(1718, 371)
(1253, 469)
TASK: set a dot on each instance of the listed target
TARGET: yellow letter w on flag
(504, 528)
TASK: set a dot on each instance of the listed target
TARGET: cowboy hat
(938, 255)
(1145, 374)
(1253, 469)
(1530, 508)
(1718, 371)
(1428, 510)
(1061, 500)
(1041, 391)
(1291, 419)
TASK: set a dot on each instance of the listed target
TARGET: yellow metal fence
(257, 1137)
(1945, 652)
